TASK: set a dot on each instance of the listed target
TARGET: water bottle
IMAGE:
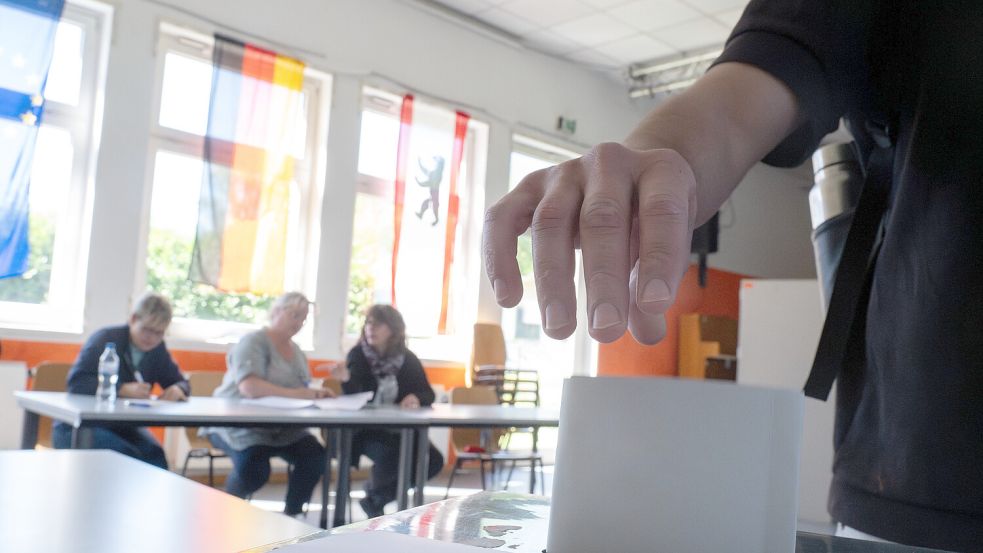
(832, 201)
(108, 374)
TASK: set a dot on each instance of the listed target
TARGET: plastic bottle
(108, 374)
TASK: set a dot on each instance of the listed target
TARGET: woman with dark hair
(381, 363)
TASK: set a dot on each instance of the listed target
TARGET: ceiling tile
(594, 58)
(550, 42)
(715, 6)
(653, 14)
(603, 4)
(693, 35)
(469, 6)
(506, 21)
(635, 49)
(730, 17)
(594, 29)
(546, 13)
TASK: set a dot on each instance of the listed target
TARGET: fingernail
(556, 316)
(501, 289)
(655, 290)
(605, 315)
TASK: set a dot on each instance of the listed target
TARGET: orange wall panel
(626, 357)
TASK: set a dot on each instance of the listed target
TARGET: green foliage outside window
(168, 259)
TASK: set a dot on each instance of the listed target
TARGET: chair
(203, 383)
(48, 376)
(462, 438)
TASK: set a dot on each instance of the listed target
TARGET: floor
(271, 496)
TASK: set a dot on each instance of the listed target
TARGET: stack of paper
(352, 402)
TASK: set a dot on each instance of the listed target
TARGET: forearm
(722, 125)
(255, 387)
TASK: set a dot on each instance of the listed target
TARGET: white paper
(378, 542)
(351, 402)
(278, 402)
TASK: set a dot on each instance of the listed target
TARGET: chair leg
(508, 478)
(532, 476)
(450, 481)
(211, 471)
(184, 470)
(481, 465)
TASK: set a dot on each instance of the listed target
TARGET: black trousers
(383, 448)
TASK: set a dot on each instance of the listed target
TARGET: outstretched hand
(631, 212)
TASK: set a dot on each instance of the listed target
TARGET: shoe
(370, 508)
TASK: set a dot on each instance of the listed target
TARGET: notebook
(662, 465)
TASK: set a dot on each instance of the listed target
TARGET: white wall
(396, 45)
(770, 236)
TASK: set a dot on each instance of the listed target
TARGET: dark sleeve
(165, 370)
(361, 379)
(413, 380)
(83, 377)
(818, 49)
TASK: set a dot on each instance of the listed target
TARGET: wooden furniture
(48, 376)
(203, 383)
(464, 440)
(701, 337)
(517, 523)
(98, 501)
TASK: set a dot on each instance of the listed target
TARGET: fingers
(666, 214)
(554, 226)
(605, 225)
(504, 222)
(647, 329)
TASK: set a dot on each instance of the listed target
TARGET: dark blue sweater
(156, 366)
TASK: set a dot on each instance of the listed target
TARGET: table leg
(402, 481)
(422, 464)
(326, 481)
(344, 476)
(82, 437)
(29, 430)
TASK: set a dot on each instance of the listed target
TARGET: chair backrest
(48, 376)
(203, 383)
(489, 345)
(333, 385)
(475, 395)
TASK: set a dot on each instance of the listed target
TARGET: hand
(136, 390)
(174, 393)
(339, 371)
(410, 402)
(320, 393)
(632, 212)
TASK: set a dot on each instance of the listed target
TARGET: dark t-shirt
(909, 423)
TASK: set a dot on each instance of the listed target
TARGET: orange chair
(48, 376)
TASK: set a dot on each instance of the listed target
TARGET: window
(372, 243)
(50, 294)
(204, 313)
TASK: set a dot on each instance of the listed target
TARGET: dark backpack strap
(851, 274)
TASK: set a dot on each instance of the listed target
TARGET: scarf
(382, 366)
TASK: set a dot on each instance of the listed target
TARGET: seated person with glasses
(268, 362)
(143, 362)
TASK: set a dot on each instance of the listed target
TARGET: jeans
(251, 469)
(138, 443)
(383, 448)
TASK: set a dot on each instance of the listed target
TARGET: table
(84, 412)
(503, 521)
(99, 501)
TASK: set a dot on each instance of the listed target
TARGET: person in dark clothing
(381, 363)
(144, 361)
(909, 417)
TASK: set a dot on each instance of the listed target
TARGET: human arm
(83, 377)
(413, 383)
(161, 369)
(360, 376)
(256, 387)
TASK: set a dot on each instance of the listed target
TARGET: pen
(131, 403)
(138, 376)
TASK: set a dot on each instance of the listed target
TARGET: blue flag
(27, 40)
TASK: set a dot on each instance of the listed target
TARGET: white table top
(206, 411)
(89, 501)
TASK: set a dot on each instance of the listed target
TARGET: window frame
(216, 335)
(64, 309)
